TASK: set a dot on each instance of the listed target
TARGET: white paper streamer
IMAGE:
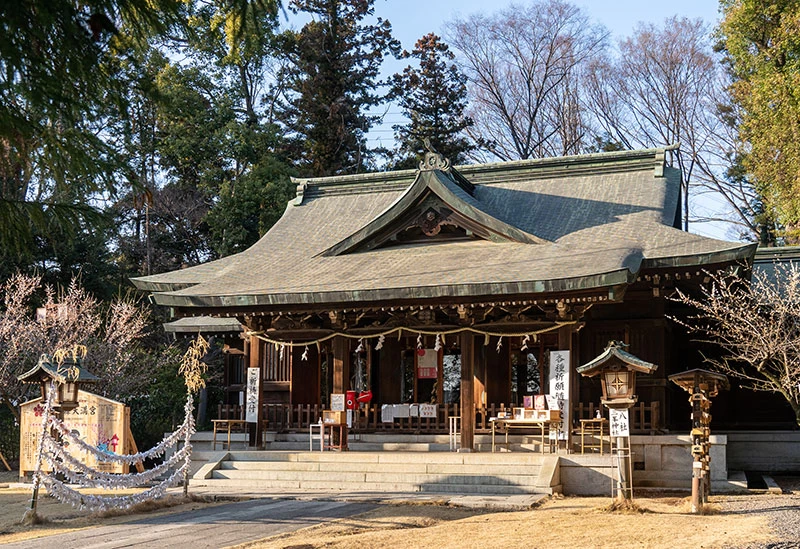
(62, 461)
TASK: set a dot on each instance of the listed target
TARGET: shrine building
(452, 286)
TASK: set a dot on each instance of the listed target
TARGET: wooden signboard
(98, 421)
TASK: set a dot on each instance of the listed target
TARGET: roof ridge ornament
(433, 159)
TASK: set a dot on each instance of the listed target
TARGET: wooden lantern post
(701, 385)
(617, 370)
(64, 378)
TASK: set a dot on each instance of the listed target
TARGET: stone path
(213, 527)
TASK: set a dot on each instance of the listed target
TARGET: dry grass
(559, 523)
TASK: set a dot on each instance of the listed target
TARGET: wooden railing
(645, 418)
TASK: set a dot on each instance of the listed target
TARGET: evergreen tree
(55, 87)
(763, 49)
(433, 97)
(331, 82)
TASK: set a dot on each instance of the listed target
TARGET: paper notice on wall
(559, 390)
(337, 402)
(251, 398)
(428, 410)
(387, 413)
(413, 410)
(402, 410)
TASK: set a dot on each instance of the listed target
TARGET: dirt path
(566, 522)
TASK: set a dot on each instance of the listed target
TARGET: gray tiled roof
(593, 221)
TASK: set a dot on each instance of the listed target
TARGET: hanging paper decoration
(62, 462)
(499, 344)
(360, 348)
(381, 336)
(438, 344)
(379, 345)
(525, 341)
(305, 354)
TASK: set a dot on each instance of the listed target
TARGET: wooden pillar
(467, 391)
(256, 351)
(341, 364)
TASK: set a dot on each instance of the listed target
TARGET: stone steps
(467, 473)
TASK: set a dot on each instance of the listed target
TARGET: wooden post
(341, 364)
(467, 391)
(255, 355)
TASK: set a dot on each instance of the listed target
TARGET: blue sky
(412, 19)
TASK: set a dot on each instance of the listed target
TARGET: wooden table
(341, 430)
(594, 427)
(222, 424)
(506, 424)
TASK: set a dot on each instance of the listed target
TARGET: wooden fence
(285, 417)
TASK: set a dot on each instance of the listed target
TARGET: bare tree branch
(757, 327)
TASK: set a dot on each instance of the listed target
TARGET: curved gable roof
(548, 225)
(443, 197)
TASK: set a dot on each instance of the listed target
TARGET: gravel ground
(783, 512)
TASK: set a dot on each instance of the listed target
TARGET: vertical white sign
(559, 388)
(251, 400)
(618, 423)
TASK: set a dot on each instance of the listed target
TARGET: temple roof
(502, 229)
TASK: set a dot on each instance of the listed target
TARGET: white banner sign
(251, 400)
(618, 422)
(559, 388)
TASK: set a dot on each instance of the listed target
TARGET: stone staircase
(387, 472)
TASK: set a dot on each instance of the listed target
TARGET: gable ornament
(433, 160)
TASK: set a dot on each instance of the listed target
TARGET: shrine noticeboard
(98, 421)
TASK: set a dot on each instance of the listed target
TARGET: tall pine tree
(433, 97)
(331, 82)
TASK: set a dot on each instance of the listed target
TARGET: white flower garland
(48, 407)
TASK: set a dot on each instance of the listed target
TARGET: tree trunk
(11, 407)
